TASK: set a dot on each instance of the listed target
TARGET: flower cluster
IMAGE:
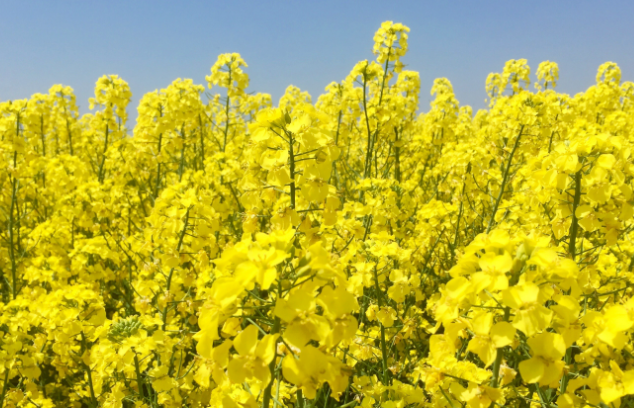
(230, 253)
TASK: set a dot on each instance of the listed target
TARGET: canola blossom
(345, 252)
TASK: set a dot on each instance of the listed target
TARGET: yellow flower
(493, 275)
(254, 356)
(162, 381)
(312, 369)
(613, 384)
(545, 366)
(303, 322)
(489, 337)
(530, 315)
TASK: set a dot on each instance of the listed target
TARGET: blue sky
(304, 43)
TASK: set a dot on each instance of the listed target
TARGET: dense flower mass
(342, 252)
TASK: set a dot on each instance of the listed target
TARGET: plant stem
(334, 163)
(574, 226)
(368, 155)
(498, 358)
(139, 380)
(387, 60)
(457, 231)
(42, 136)
(300, 398)
(4, 387)
(101, 174)
(224, 143)
(266, 401)
(93, 398)
(181, 166)
(397, 157)
(379, 296)
(158, 169)
(504, 180)
(202, 143)
(70, 137)
(11, 239)
(291, 158)
(169, 277)
(14, 199)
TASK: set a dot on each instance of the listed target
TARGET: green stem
(101, 174)
(70, 137)
(158, 169)
(334, 163)
(498, 359)
(181, 166)
(139, 380)
(43, 140)
(574, 226)
(387, 60)
(397, 157)
(169, 277)
(368, 158)
(300, 398)
(202, 143)
(379, 296)
(550, 142)
(368, 155)
(457, 231)
(447, 398)
(291, 158)
(224, 143)
(564, 378)
(14, 267)
(504, 179)
(349, 404)
(4, 387)
(93, 398)
(12, 221)
(266, 401)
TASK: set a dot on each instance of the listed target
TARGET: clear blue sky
(304, 43)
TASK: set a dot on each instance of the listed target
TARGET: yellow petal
(237, 371)
(482, 324)
(284, 311)
(297, 334)
(205, 344)
(532, 369)
(457, 288)
(266, 348)
(220, 354)
(339, 301)
(502, 334)
(499, 263)
(606, 161)
(202, 376)
(628, 382)
(548, 345)
(246, 341)
(291, 370)
(484, 349)
(618, 319)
